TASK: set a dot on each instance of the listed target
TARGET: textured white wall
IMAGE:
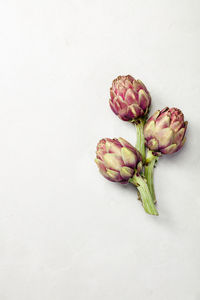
(65, 232)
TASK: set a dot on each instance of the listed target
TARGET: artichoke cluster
(162, 133)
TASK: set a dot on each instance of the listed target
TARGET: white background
(66, 232)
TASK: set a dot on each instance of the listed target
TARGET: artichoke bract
(129, 98)
(164, 131)
(119, 161)
(130, 101)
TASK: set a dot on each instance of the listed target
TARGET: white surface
(65, 232)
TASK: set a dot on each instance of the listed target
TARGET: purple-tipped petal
(141, 85)
(163, 122)
(112, 161)
(149, 129)
(143, 99)
(170, 149)
(126, 144)
(101, 167)
(164, 137)
(113, 147)
(179, 136)
(114, 175)
(126, 172)
(113, 107)
(129, 157)
(153, 144)
(154, 116)
(130, 97)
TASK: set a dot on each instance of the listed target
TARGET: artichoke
(130, 101)
(164, 133)
(129, 98)
(119, 161)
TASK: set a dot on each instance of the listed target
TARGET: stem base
(145, 194)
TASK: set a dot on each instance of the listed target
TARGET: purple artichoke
(129, 98)
(117, 159)
(165, 131)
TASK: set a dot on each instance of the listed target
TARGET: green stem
(145, 194)
(148, 172)
(140, 144)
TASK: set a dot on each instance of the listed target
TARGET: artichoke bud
(164, 131)
(117, 160)
(129, 98)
